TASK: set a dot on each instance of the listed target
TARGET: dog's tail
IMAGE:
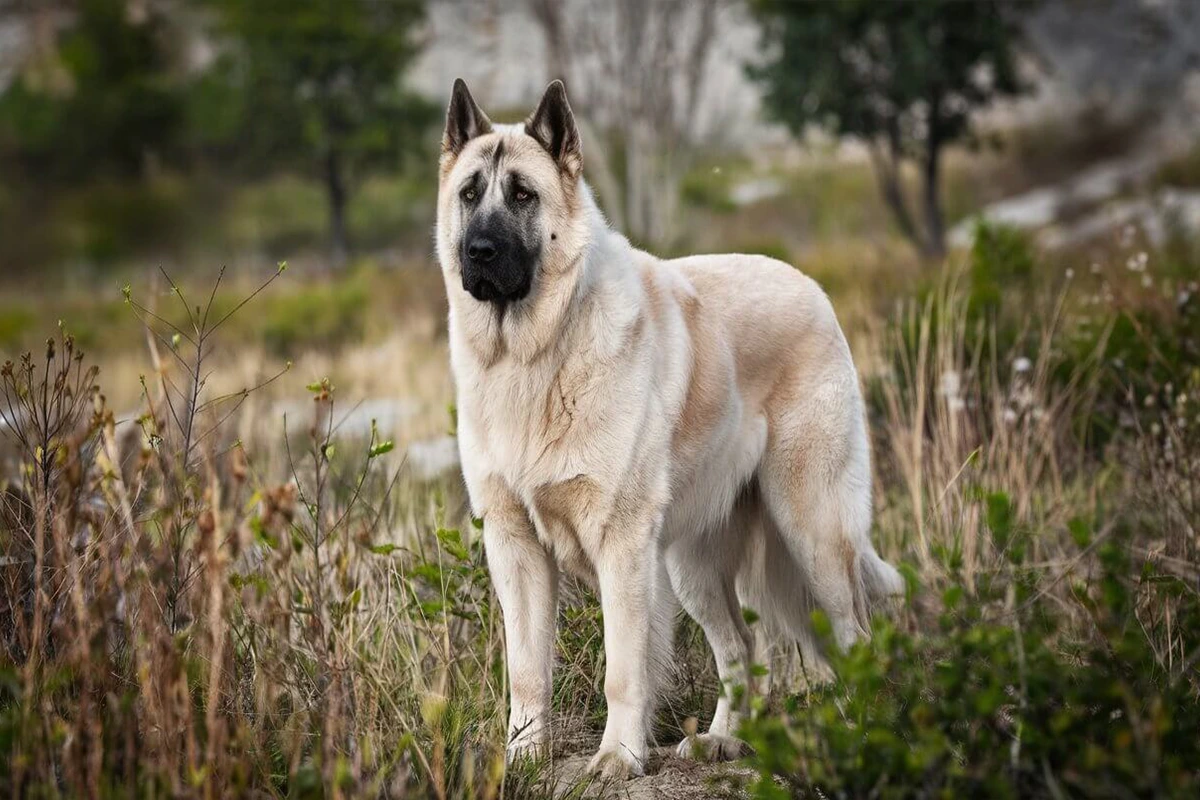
(772, 584)
(880, 579)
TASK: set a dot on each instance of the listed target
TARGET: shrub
(1001, 258)
(323, 316)
(15, 323)
(708, 187)
(1181, 171)
(997, 699)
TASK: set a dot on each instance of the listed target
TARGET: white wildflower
(950, 385)
(1022, 365)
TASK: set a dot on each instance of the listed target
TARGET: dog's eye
(524, 196)
(468, 195)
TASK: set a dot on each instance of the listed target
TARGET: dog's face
(506, 195)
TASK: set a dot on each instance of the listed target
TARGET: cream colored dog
(674, 432)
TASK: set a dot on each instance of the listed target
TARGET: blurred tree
(313, 85)
(103, 96)
(904, 76)
(636, 69)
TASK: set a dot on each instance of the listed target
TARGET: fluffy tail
(880, 579)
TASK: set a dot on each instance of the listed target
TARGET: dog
(685, 432)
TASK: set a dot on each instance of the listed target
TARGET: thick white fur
(687, 431)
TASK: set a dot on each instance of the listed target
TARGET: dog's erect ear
(464, 120)
(553, 125)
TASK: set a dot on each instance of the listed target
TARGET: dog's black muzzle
(496, 267)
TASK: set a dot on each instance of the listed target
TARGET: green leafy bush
(998, 699)
(1001, 258)
(708, 187)
(15, 323)
(322, 316)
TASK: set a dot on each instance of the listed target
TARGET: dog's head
(506, 196)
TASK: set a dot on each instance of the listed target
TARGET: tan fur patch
(563, 509)
(709, 384)
(849, 558)
(502, 506)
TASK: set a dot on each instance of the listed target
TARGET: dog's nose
(481, 250)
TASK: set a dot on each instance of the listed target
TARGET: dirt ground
(668, 777)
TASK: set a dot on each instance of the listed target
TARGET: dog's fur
(674, 432)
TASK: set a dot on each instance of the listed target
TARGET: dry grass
(205, 602)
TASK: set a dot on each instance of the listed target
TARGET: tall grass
(191, 605)
(1050, 644)
(181, 622)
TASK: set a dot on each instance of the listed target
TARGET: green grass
(104, 226)
(302, 617)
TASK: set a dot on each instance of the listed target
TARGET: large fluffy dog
(674, 432)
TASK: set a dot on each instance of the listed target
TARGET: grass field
(225, 573)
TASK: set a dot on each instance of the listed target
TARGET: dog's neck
(589, 292)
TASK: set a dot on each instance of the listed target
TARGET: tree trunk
(549, 14)
(887, 175)
(637, 165)
(335, 186)
(935, 234)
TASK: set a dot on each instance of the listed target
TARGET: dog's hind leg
(816, 482)
(771, 583)
(704, 583)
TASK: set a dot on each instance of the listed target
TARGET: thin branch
(252, 295)
(179, 293)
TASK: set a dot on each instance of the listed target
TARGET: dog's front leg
(627, 571)
(526, 581)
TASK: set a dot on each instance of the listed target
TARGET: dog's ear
(464, 120)
(553, 125)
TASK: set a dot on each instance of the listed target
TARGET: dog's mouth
(486, 289)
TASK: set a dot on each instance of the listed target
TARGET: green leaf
(451, 541)
(1081, 532)
(382, 447)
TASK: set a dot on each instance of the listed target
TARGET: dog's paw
(616, 763)
(712, 747)
(527, 749)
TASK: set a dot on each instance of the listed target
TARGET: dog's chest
(537, 425)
